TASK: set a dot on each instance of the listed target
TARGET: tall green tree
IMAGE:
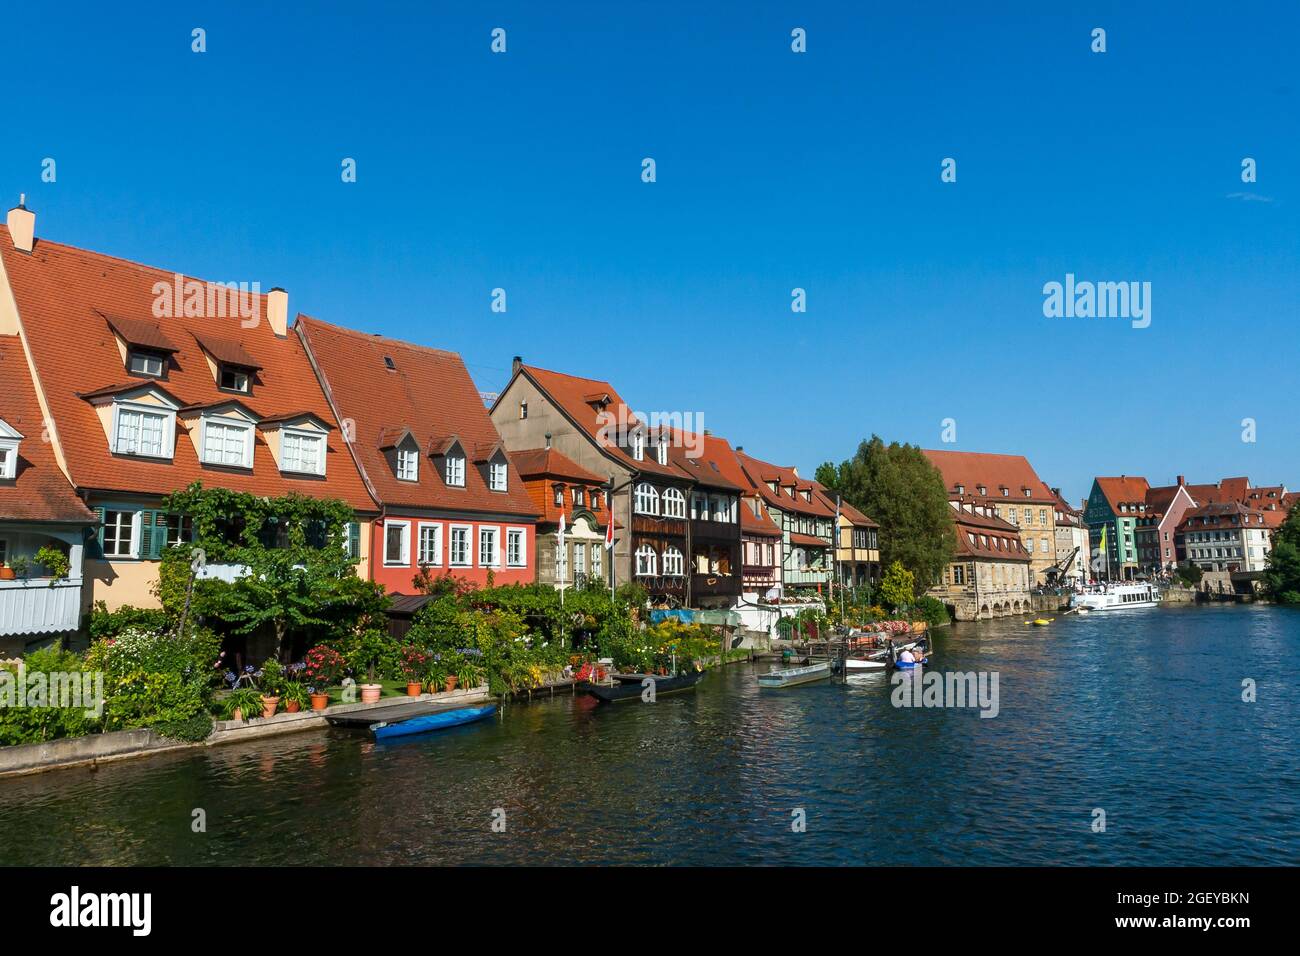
(898, 486)
(1283, 572)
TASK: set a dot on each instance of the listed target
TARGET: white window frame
(454, 471)
(451, 545)
(405, 526)
(645, 499)
(522, 535)
(8, 457)
(497, 473)
(579, 559)
(147, 356)
(133, 547)
(303, 434)
(237, 373)
(168, 416)
(674, 562)
(235, 424)
(408, 456)
(637, 442)
(596, 571)
(495, 532)
(647, 562)
(661, 452)
(673, 503)
(422, 527)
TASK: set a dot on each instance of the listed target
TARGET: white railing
(40, 606)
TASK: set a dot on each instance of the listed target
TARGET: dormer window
(9, 441)
(559, 496)
(408, 464)
(961, 489)
(497, 475)
(234, 379)
(226, 442)
(1028, 493)
(454, 470)
(141, 362)
(302, 452)
(661, 453)
(579, 498)
(143, 430)
(638, 446)
(981, 490)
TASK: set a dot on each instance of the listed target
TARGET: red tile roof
(1123, 489)
(847, 510)
(1227, 489)
(427, 391)
(543, 468)
(761, 472)
(39, 491)
(63, 295)
(972, 469)
(760, 523)
(229, 351)
(549, 463)
(1220, 515)
(578, 397)
(988, 533)
(702, 459)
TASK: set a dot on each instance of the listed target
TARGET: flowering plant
(413, 663)
(324, 666)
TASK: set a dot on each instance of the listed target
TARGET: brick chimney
(22, 225)
(516, 365)
(277, 311)
(1182, 480)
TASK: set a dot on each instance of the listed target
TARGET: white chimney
(277, 311)
(22, 225)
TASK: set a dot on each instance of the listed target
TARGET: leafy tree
(898, 589)
(1190, 573)
(1282, 575)
(899, 487)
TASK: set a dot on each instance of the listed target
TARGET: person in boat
(906, 658)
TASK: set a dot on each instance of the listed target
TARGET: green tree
(898, 588)
(1282, 575)
(896, 485)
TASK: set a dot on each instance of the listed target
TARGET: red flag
(609, 534)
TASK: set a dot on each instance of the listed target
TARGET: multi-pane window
(595, 560)
(180, 529)
(661, 453)
(516, 557)
(459, 553)
(674, 562)
(455, 470)
(226, 443)
(430, 545)
(497, 476)
(487, 548)
(559, 496)
(119, 527)
(408, 464)
(579, 498)
(646, 499)
(234, 379)
(8, 462)
(303, 453)
(638, 446)
(579, 558)
(146, 363)
(674, 503)
(646, 561)
(140, 432)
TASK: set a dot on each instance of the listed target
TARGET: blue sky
(775, 171)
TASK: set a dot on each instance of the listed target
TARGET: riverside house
(560, 487)
(806, 523)
(591, 425)
(1114, 507)
(451, 500)
(144, 395)
(989, 575)
(857, 545)
(1156, 530)
(1008, 487)
(714, 532)
(38, 509)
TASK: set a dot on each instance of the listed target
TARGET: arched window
(674, 563)
(647, 499)
(674, 503)
(646, 561)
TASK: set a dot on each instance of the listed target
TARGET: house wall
(396, 577)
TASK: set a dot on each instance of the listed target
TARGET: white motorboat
(1116, 597)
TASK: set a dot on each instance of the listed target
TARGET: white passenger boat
(1117, 597)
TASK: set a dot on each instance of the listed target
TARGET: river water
(1135, 713)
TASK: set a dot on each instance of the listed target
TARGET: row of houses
(121, 383)
(1147, 530)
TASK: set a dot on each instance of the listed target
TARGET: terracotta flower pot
(370, 693)
(269, 704)
(413, 688)
(451, 684)
(320, 701)
(292, 707)
(7, 574)
(237, 716)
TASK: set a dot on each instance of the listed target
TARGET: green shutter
(95, 542)
(354, 540)
(148, 539)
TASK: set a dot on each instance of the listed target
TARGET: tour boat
(1117, 597)
(793, 676)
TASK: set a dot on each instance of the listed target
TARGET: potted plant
(6, 573)
(324, 667)
(413, 663)
(242, 704)
(470, 675)
(319, 698)
(54, 561)
(294, 696)
(20, 566)
(270, 681)
(370, 648)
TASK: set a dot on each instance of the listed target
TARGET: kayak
(439, 721)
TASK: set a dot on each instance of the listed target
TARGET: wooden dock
(395, 713)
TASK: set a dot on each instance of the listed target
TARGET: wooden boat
(793, 676)
(631, 686)
(440, 721)
(876, 661)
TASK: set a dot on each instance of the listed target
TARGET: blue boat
(439, 721)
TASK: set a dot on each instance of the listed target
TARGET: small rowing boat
(793, 676)
(428, 722)
(632, 686)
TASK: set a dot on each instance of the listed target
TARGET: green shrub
(190, 730)
(31, 724)
(153, 677)
(931, 610)
(104, 623)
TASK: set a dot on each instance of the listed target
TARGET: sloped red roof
(63, 295)
(993, 537)
(428, 391)
(846, 510)
(1226, 489)
(226, 350)
(576, 397)
(39, 491)
(761, 523)
(702, 458)
(972, 469)
(761, 472)
(1220, 515)
(549, 463)
(1123, 489)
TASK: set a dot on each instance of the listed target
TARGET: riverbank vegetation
(1282, 576)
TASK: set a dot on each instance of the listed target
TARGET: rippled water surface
(1138, 713)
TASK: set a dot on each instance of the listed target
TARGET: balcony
(714, 585)
(39, 606)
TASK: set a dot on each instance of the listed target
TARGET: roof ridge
(377, 337)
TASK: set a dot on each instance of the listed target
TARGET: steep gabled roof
(994, 472)
(787, 480)
(549, 463)
(69, 302)
(426, 392)
(1124, 489)
(38, 491)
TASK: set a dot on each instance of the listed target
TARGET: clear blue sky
(775, 170)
